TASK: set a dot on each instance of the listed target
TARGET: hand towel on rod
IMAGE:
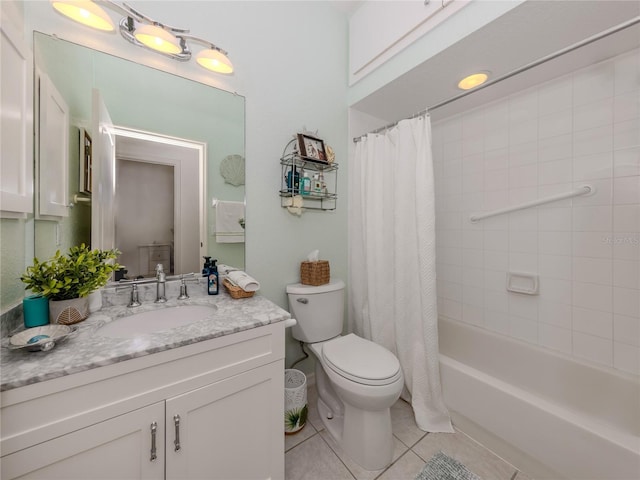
(228, 226)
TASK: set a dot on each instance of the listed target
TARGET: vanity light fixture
(472, 81)
(143, 31)
(214, 59)
(157, 38)
(85, 12)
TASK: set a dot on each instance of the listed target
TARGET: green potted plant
(67, 280)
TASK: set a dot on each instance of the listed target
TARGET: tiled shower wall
(583, 128)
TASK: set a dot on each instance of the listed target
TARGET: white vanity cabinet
(118, 448)
(213, 409)
(224, 430)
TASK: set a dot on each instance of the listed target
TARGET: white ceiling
(525, 34)
(346, 6)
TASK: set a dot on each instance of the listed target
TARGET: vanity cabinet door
(119, 448)
(232, 429)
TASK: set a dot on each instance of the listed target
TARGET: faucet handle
(189, 277)
(134, 302)
(184, 278)
(183, 290)
(160, 275)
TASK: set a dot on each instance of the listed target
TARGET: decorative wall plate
(232, 169)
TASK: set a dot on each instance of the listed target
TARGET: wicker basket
(235, 291)
(315, 273)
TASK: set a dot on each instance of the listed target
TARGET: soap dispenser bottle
(206, 266)
(212, 279)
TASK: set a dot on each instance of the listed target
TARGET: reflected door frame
(166, 155)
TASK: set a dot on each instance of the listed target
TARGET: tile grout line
(301, 442)
(409, 449)
(338, 457)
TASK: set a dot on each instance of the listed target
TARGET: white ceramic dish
(42, 338)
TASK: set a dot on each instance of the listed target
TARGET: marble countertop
(86, 349)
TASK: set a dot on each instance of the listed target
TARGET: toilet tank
(318, 310)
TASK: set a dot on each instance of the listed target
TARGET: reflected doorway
(144, 217)
(159, 203)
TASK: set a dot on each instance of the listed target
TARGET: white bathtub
(547, 414)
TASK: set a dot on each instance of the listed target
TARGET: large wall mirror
(173, 189)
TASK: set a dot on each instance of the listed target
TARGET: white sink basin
(156, 320)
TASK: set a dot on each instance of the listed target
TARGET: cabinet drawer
(159, 254)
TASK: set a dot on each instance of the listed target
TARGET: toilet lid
(361, 360)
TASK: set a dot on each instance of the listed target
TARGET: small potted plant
(67, 280)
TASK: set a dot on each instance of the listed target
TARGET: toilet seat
(361, 361)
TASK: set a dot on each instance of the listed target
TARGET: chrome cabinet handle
(154, 429)
(302, 300)
(176, 442)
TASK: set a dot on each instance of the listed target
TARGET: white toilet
(357, 380)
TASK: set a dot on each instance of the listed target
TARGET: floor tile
(293, 439)
(404, 425)
(471, 454)
(522, 476)
(355, 469)
(405, 468)
(314, 460)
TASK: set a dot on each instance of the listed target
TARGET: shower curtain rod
(529, 66)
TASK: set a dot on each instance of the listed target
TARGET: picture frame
(86, 162)
(312, 148)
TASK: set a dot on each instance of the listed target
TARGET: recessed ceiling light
(473, 80)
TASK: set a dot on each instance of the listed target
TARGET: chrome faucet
(161, 279)
(183, 285)
(134, 301)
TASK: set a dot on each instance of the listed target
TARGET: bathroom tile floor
(311, 454)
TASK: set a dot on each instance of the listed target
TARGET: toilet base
(364, 435)
(331, 421)
(368, 439)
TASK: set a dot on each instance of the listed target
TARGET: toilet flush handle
(302, 300)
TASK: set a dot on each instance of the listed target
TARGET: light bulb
(472, 81)
(157, 38)
(214, 60)
(85, 12)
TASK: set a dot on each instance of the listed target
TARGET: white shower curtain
(392, 265)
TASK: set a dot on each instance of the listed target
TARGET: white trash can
(295, 400)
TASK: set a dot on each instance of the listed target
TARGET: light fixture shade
(157, 38)
(472, 81)
(214, 60)
(85, 12)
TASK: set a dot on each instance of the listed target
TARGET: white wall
(577, 129)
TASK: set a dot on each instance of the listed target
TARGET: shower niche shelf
(322, 194)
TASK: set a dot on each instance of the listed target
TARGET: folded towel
(229, 218)
(244, 281)
(225, 269)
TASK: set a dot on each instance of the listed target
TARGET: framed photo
(312, 148)
(86, 162)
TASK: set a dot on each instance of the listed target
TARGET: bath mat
(443, 467)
